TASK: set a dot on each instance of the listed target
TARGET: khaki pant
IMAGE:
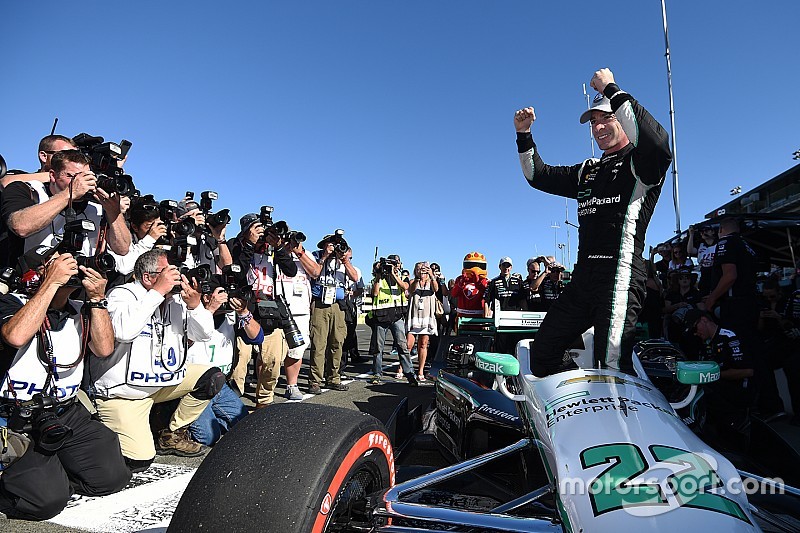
(273, 350)
(328, 331)
(130, 419)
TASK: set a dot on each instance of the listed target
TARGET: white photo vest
(28, 374)
(219, 350)
(52, 234)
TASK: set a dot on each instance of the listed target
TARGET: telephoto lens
(103, 263)
(294, 338)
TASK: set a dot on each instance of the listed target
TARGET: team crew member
(42, 358)
(505, 288)
(730, 398)
(616, 198)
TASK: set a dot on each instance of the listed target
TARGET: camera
(38, 417)
(234, 281)
(200, 274)
(103, 158)
(75, 233)
(339, 244)
(9, 280)
(387, 267)
(265, 215)
(219, 218)
(294, 338)
(281, 229)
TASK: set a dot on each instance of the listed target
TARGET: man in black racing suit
(616, 197)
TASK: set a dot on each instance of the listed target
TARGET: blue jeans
(224, 410)
(398, 328)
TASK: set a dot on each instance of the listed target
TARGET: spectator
(262, 254)
(686, 296)
(679, 258)
(442, 295)
(226, 408)
(617, 196)
(152, 328)
(328, 327)
(662, 265)
(453, 299)
(36, 213)
(505, 288)
(389, 306)
(704, 252)
(38, 485)
(653, 303)
(422, 313)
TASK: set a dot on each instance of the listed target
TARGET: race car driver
(616, 198)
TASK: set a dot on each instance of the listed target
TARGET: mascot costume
(470, 286)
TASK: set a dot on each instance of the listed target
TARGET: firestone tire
(288, 468)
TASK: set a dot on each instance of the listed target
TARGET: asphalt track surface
(379, 400)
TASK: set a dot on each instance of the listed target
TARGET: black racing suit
(616, 198)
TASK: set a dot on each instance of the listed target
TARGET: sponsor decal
(599, 405)
(588, 207)
(327, 501)
(601, 378)
(709, 377)
(494, 368)
(496, 413)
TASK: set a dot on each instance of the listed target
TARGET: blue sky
(393, 120)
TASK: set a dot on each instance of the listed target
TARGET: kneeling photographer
(260, 254)
(389, 304)
(60, 448)
(228, 302)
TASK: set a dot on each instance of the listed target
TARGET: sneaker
(314, 389)
(179, 443)
(338, 386)
(293, 393)
(421, 379)
(393, 352)
(398, 375)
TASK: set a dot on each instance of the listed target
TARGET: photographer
(232, 320)
(153, 325)
(211, 248)
(389, 306)
(42, 364)
(261, 254)
(48, 147)
(36, 213)
(146, 229)
(328, 327)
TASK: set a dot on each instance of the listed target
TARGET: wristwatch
(100, 304)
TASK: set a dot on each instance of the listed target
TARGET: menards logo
(494, 368)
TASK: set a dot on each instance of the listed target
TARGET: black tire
(288, 468)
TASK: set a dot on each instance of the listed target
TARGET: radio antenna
(54, 126)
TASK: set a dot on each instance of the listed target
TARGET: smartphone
(124, 145)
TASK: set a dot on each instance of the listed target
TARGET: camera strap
(101, 236)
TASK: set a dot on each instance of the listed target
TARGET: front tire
(289, 468)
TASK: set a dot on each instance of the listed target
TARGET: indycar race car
(502, 450)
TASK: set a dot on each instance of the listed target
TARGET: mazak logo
(494, 368)
(709, 377)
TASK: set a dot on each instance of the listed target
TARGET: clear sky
(393, 120)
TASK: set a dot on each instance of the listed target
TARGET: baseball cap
(600, 103)
(395, 257)
(506, 260)
(35, 257)
(246, 221)
(184, 206)
(325, 240)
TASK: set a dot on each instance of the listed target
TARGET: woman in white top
(422, 313)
